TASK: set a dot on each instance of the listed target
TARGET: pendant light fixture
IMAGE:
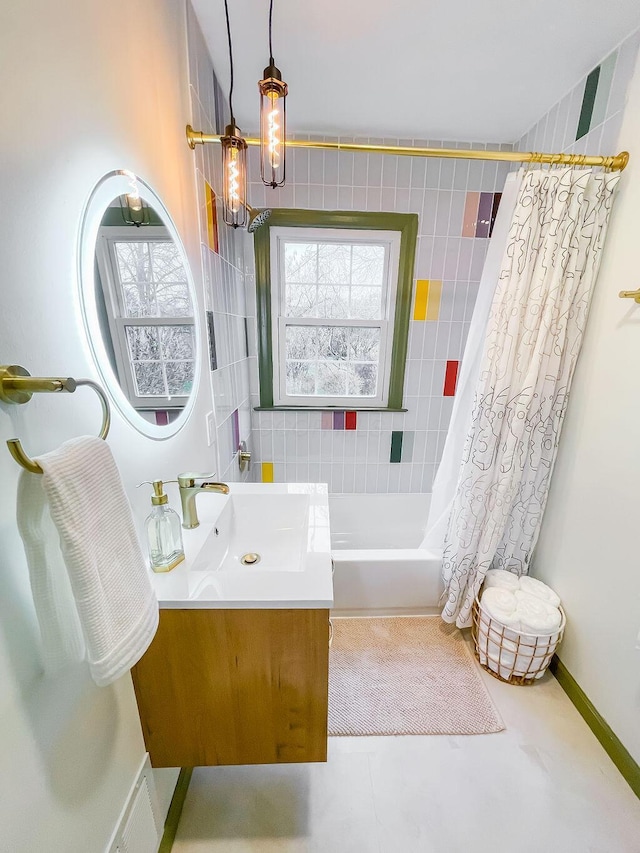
(234, 159)
(134, 210)
(273, 99)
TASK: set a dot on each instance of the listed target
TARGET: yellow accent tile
(420, 305)
(267, 472)
(434, 292)
(212, 225)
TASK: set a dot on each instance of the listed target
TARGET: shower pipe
(616, 163)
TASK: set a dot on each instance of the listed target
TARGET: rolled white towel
(501, 605)
(536, 616)
(502, 579)
(532, 586)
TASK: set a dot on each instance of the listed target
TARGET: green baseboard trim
(175, 810)
(598, 725)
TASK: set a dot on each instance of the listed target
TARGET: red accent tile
(450, 378)
(350, 420)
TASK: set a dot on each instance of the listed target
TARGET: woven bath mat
(405, 675)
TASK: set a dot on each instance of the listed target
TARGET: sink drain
(250, 559)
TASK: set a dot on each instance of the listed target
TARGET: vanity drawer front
(235, 687)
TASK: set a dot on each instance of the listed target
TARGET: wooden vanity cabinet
(235, 687)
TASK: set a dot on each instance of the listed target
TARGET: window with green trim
(334, 297)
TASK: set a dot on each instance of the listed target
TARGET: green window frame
(405, 223)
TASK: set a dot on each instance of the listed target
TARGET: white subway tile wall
(356, 455)
(587, 120)
(223, 270)
(456, 202)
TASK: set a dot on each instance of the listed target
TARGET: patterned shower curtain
(533, 339)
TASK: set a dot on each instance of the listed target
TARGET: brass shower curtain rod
(615, 163)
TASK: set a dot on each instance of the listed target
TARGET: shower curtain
(446, 479)
(533, 338)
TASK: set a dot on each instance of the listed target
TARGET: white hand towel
(532, 586)
(505, 580)
(501, 605)
(116, 604)
(60, 630)
(537, 616)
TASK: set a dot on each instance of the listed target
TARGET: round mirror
(139, 304)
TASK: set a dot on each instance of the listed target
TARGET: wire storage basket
(509, 655)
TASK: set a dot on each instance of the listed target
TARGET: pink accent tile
(327, 420)
(470, 216)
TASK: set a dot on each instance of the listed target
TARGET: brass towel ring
(17, 386)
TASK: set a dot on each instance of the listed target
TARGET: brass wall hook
(630, 294)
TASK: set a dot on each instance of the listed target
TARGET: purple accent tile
(484, 214)
(162, 418)
(338, 420)
(235, 426)
(327, 420)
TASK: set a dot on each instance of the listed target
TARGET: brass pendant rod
(615, 163)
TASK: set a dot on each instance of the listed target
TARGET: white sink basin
(284, 525)
(273, 529)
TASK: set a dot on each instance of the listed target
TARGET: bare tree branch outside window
(153, 284)
(333, 281)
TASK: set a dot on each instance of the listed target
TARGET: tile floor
(544, 785)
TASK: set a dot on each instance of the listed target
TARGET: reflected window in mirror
(139, 305)
(147, 315)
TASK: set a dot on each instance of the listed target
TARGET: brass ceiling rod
(615, 163)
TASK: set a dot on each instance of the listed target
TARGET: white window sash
(118, 321)
(391, 241)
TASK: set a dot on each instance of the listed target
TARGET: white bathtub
(379, 566)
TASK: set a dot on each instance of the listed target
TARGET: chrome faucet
(191, 485)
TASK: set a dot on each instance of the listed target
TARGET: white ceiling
(424, 69)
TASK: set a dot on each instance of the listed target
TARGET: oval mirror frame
(109, 187)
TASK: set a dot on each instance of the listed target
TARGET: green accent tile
(407, 446)
(588, 100)
(604, 87)
(396, 446)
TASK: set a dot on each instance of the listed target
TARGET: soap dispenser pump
(164, 533)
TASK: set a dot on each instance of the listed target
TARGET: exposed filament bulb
(233, 181)
(273, 122)
(273, 138)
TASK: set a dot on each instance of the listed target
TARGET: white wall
(589, 549)
(88, 87)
